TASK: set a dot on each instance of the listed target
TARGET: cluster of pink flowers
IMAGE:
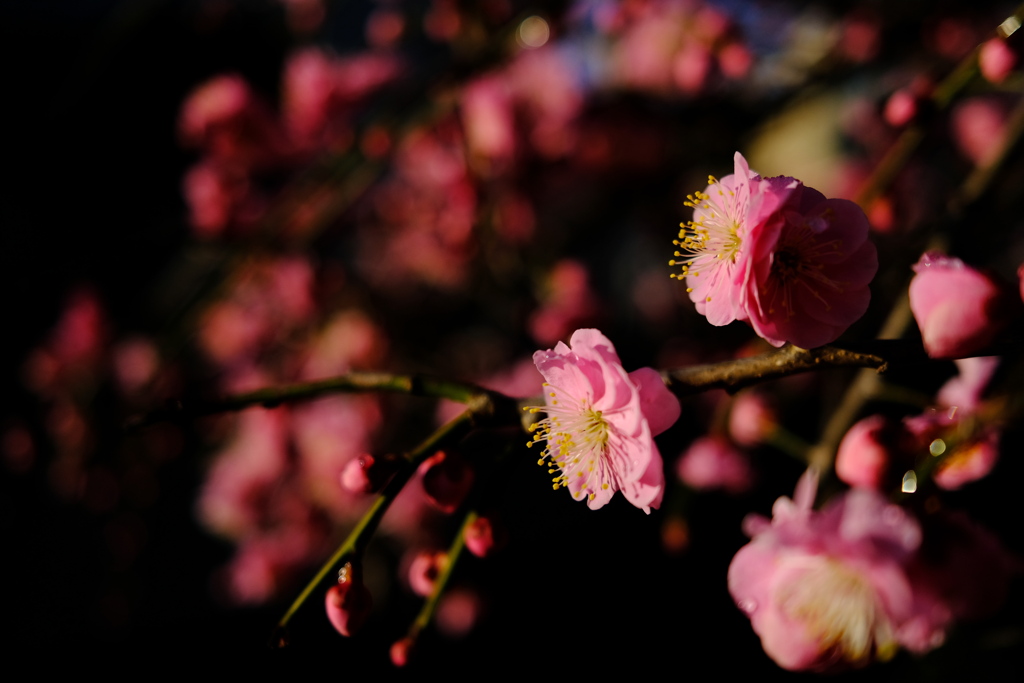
(778, 255)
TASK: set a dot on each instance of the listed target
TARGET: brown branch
(790, 360)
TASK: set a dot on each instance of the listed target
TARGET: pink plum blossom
(957, 308)
(777, 254)
(715, 250)
(711, 462)
(829, 589)
(601, 422)
(815, 283)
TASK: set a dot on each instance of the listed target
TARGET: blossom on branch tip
(777, 254)
(715, 252)
(601, 422)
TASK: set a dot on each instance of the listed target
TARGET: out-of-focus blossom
(711, 462)
(225, 119)
(424, 570)
(266, 300)
(601, 422)
(321, 92)
(965, 390)
(827, 589)
(238, 484)
(568, 301)
(487, 113)
(458, 612)
(136, 362)
(979, 127)
(751, 419)
(970, 462)
(996, 60)
(900, 108)
(861, 36)
(74, 349)
(348, 602)
(958, 309)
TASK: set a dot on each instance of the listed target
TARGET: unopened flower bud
(447, 478)
(348, 602)
(900, 108)
(484, 536)
(401, 651)
(367, 474)
(996, 60)
(866, 452)
(424, 570)
(957, 308)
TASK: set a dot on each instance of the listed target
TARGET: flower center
(713, 234)
(840, 608)
(576, 445)
(797, 261)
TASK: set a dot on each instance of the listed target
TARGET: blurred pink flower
(979, 127)
(751, 419)
(957, 308)
(601, 422)
(828, 589)
(996, 60)
(965, 390)
(715, 250)
(815, 284)
(567, 302)
(711, 462)
(970, 462)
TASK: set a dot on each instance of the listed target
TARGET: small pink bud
(865, 453)
(484, 536)
(424, 570)
(1020, 277)
(366, 473)
(401, 651)
(348, 602)
(901, 108)
(958, 309)
(751, 419)
(447, 478)
(996, 60)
